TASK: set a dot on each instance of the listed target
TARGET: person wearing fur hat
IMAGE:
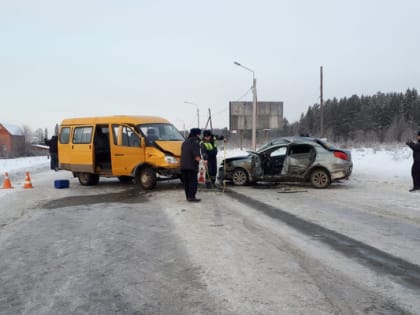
(190, 159)
(415, 169)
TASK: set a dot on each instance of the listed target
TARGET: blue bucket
(61, 183)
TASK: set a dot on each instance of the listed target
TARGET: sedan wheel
(240, 177)
(320, 178)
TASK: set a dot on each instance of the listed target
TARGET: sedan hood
(242, 157)
(236, 158)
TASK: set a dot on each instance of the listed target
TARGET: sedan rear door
(299, 158)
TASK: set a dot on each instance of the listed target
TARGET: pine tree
(383, 117)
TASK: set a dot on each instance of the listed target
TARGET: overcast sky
(62, 59)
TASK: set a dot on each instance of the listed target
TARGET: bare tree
(27, 132)
(39, 136)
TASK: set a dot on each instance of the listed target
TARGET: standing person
(53, 144)
(415, 169)
(190, 158)
(209, 149)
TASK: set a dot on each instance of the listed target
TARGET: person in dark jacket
(53, 144)
(415, 169)
(209, 150)
(190, 159)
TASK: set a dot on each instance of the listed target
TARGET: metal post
(254, 114)
(198, 112)
(198, 117)
(254, 105)
(321, 105)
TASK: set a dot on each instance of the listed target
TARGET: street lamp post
(254, 105)
(198, 112)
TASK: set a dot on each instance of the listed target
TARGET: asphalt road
(114, 249)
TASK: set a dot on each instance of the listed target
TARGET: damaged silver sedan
(289, 159)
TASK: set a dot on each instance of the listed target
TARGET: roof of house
(13, 129)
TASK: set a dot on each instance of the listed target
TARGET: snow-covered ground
(24, 163)
(373, 164)
(392, 164)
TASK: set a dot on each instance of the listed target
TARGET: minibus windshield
(160, 132)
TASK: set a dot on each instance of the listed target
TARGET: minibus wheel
(87, 179)
(146, 177)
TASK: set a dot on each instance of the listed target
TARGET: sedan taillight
(341, 155)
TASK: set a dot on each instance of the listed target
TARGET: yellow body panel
(118, 119)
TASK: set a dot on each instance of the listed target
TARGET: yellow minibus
(143, 148)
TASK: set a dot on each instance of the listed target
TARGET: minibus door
(81, 153)
(64, 148)
(127, 150)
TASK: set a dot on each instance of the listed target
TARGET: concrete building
(269, 115)
(269, 121)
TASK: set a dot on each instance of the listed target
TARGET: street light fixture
(198, 112)
(254, 105)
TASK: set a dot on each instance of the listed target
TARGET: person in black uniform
(190, 158)
(53, 144)
(415, 169)
(209, 150)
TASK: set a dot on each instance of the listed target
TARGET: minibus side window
(64, 135)
(82, 135)
(125, 136)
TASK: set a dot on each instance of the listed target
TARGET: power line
(246, 93)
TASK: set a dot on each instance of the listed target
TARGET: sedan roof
(296, 139)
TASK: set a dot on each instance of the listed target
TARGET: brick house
(12, 141)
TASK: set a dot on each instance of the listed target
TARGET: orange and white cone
(201, 178)
(27, 183)
(6, 183)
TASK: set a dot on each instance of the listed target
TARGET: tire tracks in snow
(402, 271)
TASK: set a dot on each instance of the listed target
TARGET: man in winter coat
(190, 159)
(415, 169)
(209, 150)
(53, 144)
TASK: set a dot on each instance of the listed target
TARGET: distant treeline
(379, 118)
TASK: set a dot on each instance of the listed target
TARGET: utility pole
(321, 105)
(198, 112)
(209, 121)
(254, 105)
(254, 114)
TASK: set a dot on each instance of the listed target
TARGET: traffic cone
(27, 183)
(6, 183)
(201, 178)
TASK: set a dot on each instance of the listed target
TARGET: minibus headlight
(170, 159)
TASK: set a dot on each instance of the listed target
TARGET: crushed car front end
(241, 170)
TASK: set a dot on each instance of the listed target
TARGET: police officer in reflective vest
(209, 153)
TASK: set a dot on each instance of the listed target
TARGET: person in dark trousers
(415, 169)
(209, 150)
(190, 159)
(53, 144)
